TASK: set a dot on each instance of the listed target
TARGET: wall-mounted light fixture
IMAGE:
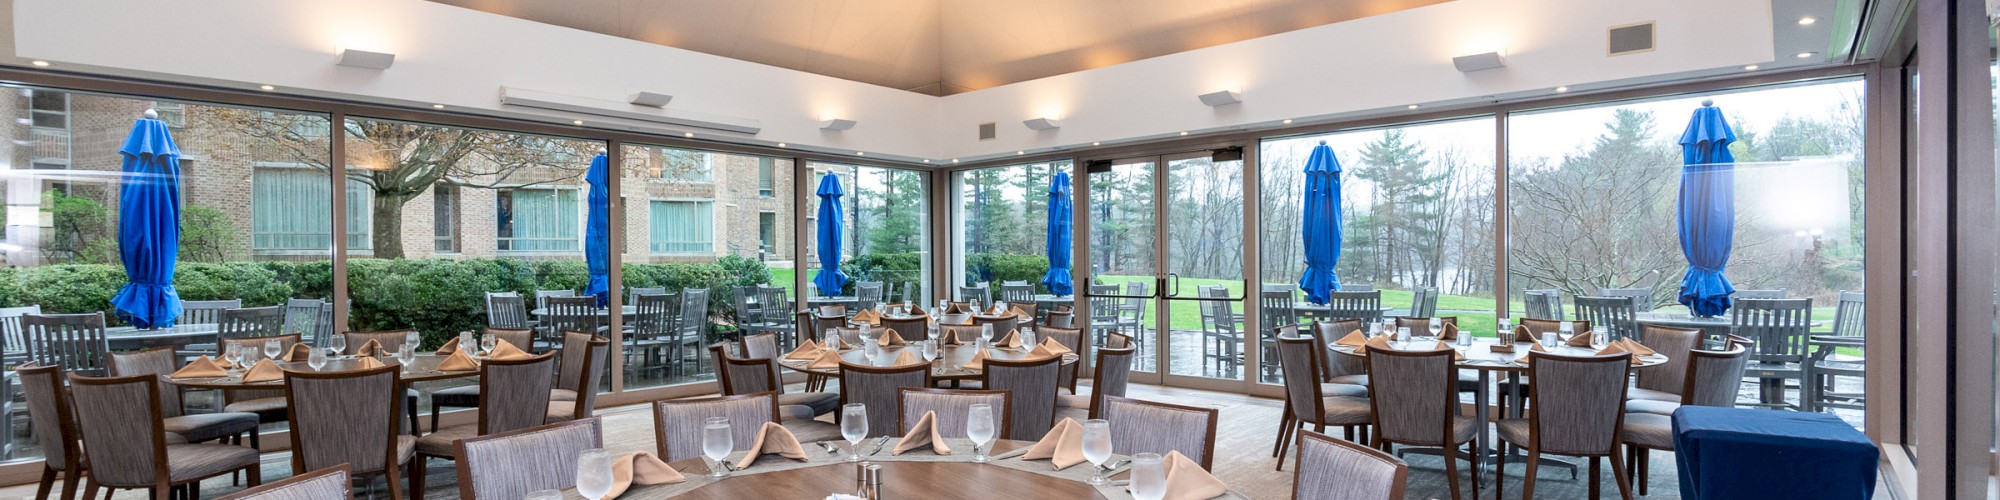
(649, 99)
(1221, 98)
(1042, 123)
(836, 124)
(355, 58)
(1479, 62)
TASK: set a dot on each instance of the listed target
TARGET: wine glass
(1097, 446)
(233, 353)
(316, 359)
(986, 332)
(1567, 329)
(832, 339)
(979, 428)
(406, 353)
(930, 349)
(1402, 337)
(716, 442)
(1437, 327)
(272, 347)
(487, 342)
(1149, 476)
(593, 473)
(854, 428)
(338, 343)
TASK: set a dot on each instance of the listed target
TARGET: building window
(681, 165)
(277, 225)
(539, 220)
(767, 178)
(444, 216)
(683, 226)
(48, 131)
(49, 109)
(173, 113)
(767, 231)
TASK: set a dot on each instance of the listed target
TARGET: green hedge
(892, 268)
(994, 268)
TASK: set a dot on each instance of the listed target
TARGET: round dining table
(950, 364)
(1482, 359)
(421, 368)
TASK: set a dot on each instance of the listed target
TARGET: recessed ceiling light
(1183, 133)
(860, 153)
(1805, 55)
(781, 144)
(1019, 153)
(1288, 121)
(437, 106)
(687, 134)
(267, 87)
(1752, 67)
(39, 63)
(1807, 21)
(1094, 143)
(577, 122)
(1413, 106)
(954, 160)
(1562, 89)
(927, 161)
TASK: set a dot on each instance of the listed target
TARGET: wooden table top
(422, 368)
(1480, 355)
(949, 365)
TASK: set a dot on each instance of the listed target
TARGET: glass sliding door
(1123, 263)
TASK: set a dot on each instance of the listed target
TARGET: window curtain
(545, 220)
(277, 224)
(683, 227)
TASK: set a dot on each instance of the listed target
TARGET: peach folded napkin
(948, 336)
(1615, 349)
(1353, 339)
(458, 362)
(1537, 348)
(370, 348)
(868, 316)
(1041, 351)
(1582, 339)
(906, 358)
(925, 432)
(890, 339)
(1450, 332)
(450, 346)
(1063, 445)
(201, 367)
(1523, 334)
(640, 468)
(954, 308)
(807, 350)
(1455, 355)
(1379, 342)
(264, 371)
(1187, 481)
(1636, 347)
(1012, 340)
(299, 352)
(1053, 346)
(978, 361)
(1017, 312)
(368, 363)
(827, 359)
(505, 350)
(773, 438)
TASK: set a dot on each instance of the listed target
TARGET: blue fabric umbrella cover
(149, 226)
(1707, 211)
(830, 280)
(597, 230)
(1320, 225)
(1057, 281)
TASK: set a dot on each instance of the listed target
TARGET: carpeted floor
(1243, 456)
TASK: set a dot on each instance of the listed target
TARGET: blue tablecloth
(1744, 453)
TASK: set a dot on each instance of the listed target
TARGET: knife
(879, 445)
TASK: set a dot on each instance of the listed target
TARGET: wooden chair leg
(1475, 452)
(1284, 419)
(418, 468)
(1594, 473)
(1528, 477)
(48, 482)
(1451, 469)
(1643, 471)
(1618, 474)
(390, 476)
(1500, 472)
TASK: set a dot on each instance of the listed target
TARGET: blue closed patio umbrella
(149, 225)
(1057, 280)
(830, 279)
(1320, 225)
(1707, 211)
(597, 230)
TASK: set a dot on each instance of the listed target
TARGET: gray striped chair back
(822, 323)
(1335, 469)
(677, 423)
(1713, 376)
(344, 418)
(49, 411)
(1675, 343)
(331, 482)
(570, 368)
(1300, 369)
(1070, 338)
(765, 346)
(1414, 395)
(962, 334)
(1001, 324)
(1114, 369)
(1326, 332)
(952, 406)
(159, 362)
(1578, 402)
(1148, 427)
(1033, 384)
(72, 342)
(747, 376)
(119, 421)
(514, 394)
(523, 338)
(877, 388)
(391, 340)
(914, 329)
(514, 464)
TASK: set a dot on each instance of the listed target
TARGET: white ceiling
(939, 47)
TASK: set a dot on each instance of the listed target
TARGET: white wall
(461, 58)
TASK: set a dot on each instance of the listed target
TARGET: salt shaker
(874, 489)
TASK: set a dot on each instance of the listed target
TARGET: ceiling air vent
(987, 131)
(1632, 38)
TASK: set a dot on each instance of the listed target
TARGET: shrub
(999, 267)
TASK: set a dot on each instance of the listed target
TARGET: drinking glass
(854, 428)
(930, 349)
(1567, 329)
(593, 473)
(233, 353)
(1097, 446)
(867, 332)
(1027, 337)
(466, 342)
(272, 348)
(487, 342)
(1149, 477)
(1437, 326)
(316, 359)
(979, 428)
(405, 353)
(906, 309)
(338, 343)
(716, 442)
(986, 331)
(1402, 337)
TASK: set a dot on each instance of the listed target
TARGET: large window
(683, 226)
(1001, 225)
(885, 237)
(444, 217)
(278, 226)
(539, 219)
(1593, 208)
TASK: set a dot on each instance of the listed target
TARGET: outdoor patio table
(1728, 453)
(1712, 328)
(126, 338)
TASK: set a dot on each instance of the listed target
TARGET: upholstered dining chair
(1347, 385)
(267, 404)
(1033, 384)
(822, 323)
(330, 482)
(1060, 316)
(569, 374)
(1117, 339)
(1139, 426)
(1415, 402)
(755, 375)
(513, 394)
(1337, 469)
(55, 428)
(161, 362)
(73, 342)
(1071, 338)
(1578, 410)
(1338, 369)
(1306, 400)
(349, 419)
(914, 329)
(1001, 324)
(876, 388)
(515, 463)
(952, 407)
(1664, 382)
(467, 396)
(1113, 369)
(677, 423)
(120, 422)
(1711, 380)
(586, 354)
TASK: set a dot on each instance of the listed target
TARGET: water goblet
(233, 353)
(593, 473)
(1402, 337)
(854, 428)
(979, 428)
(1027, 337)
(1097, 447)
(316, 359)
(487, 342)
(716, 442)
(338, 343)
(1437, 327)
(272, 347)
